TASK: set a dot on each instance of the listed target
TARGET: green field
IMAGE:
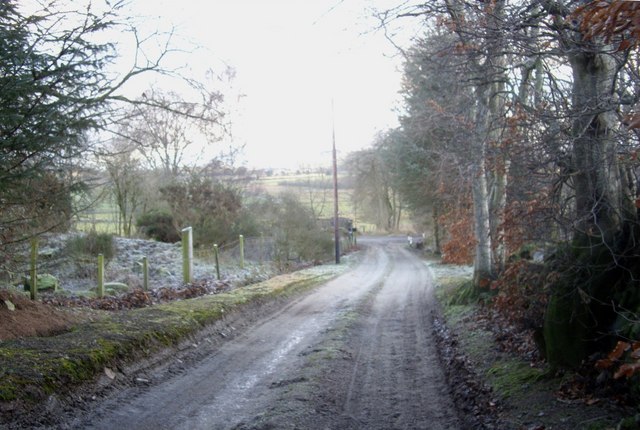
(102, 218)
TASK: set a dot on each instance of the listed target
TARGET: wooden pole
(100, 291)
(216, 255)
(33, 286)
(187, 255)
(145, 273)
(336, 227)
(241, 251)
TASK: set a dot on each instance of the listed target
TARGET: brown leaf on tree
(618, 20)
(621, 348)
(604, 363)
(627, 370)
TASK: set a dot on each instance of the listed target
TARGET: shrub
(211, 208)
(293, 228)
(91, 244)
(159, 226)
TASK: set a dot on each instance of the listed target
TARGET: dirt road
(356, 353)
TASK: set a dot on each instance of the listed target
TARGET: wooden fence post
(145, 273)
(187, 255)
(33, 287)
(100, 290)
(241, 251)
(217, 259)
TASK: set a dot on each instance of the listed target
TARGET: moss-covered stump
(565, 329)
(595, 284)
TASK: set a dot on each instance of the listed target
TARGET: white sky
(292, 59)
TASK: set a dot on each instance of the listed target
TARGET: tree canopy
(520, 125)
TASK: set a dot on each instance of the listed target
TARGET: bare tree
(165, 128)
(126, 183)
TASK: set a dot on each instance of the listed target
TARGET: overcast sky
(292, 57)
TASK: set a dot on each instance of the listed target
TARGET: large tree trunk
(501, 165)
(499, 208)
(483, 261)
(482, 265)
(596, 173)
(578, 302)
(488, 115)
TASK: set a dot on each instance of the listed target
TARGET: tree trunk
(501, 164)
(599, 201)
(499, 205)
(436, 227)
(599, 206)
(482, 265)
(488, 66)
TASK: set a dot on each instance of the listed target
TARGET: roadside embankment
(494, 383)
(39, 371)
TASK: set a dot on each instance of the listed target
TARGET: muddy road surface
(355, 353)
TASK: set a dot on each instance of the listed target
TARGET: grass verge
(527, 395)
(33, 368)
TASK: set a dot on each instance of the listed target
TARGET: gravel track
(357, 352)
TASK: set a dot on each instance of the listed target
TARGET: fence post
(33, 290)
(145, 273)
(187, 255)
(100, 291)
(217, 259)
(241, 251)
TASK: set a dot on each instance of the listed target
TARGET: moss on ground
(512, 377)
(35, 367)
(528, 394)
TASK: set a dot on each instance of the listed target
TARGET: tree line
(519, 135)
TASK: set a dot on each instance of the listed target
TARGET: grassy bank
(528, 395)
(33, 368)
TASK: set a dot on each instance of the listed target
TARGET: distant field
(312, 189)
(101, 217)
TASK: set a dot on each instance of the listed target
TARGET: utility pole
(336, 227)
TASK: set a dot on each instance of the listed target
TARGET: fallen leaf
(621, 348)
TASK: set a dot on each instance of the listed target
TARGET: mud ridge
(475, 401)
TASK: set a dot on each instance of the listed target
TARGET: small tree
(377, 198)
(126, 182)
(293, 228)
(211, 208)
(165, 127)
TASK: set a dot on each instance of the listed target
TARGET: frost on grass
(440, 271)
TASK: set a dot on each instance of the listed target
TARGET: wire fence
(259, 249)
(259, 258)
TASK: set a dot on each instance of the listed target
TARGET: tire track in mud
(376, 367)
(397, 381)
